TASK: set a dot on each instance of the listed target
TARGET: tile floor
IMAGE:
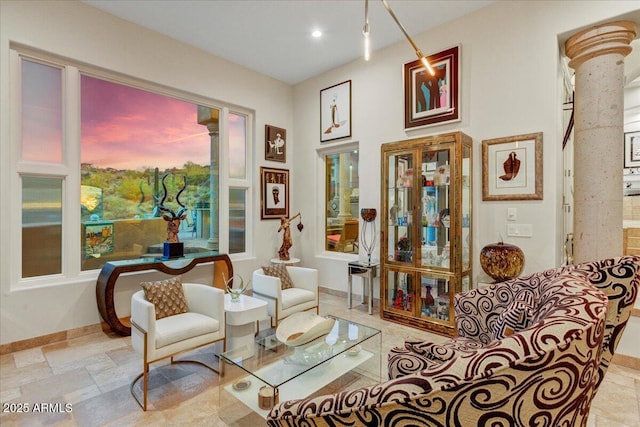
(89, 378)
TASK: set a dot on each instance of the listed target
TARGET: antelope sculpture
(173, 221)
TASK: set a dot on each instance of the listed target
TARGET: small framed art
(432, 99)
(335, 112)
(632, 150)
(512, 168)
(275, 144)
(274, 193)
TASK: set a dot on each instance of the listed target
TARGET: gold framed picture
(512, 168)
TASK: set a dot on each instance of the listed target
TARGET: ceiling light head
(424, 61)
(316, 34)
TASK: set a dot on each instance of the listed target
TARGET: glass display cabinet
(426, 229)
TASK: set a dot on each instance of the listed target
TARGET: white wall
(510, 84)
(83, 33)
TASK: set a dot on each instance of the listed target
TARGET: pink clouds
(128, 128)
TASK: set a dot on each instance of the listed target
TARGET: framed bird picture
(512, 168)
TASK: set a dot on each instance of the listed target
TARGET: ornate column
(210, 117)
(597, 56)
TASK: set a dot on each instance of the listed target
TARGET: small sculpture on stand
(368, 242)
(287, 243)
(235, 292)
(173, 248)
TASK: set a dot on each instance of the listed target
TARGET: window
(41, 226)
(142, 155)
(342, 202)
(131, 140)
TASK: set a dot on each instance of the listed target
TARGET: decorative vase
(502, 261)
(235, 292)
(368, 241)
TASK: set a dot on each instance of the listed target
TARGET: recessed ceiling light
(316, 34)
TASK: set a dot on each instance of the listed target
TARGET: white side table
(290, 261)
(241, 317)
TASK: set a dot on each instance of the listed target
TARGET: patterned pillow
(516, 317)
(167, 296)
(280, 271)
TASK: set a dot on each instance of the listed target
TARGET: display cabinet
(426, 229)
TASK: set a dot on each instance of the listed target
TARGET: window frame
(69, 168)
(321, 179)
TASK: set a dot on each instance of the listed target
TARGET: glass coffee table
(348, 357)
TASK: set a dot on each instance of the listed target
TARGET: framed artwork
(432, 99)
(632, 150)
(335, 112)
(274, 193)
(98, 239)
(275, 144)
(512, 168)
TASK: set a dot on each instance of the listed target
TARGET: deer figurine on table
(172, 247)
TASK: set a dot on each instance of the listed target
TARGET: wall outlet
(520, 230)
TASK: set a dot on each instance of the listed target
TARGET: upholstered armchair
(288, 290)
(158, 334)
(478, 312)
(543, 374)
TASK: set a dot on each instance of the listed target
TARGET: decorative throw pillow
(280, 271)
(167, 296)
(516, 317)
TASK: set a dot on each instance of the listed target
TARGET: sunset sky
(122, 127)
(127, 128)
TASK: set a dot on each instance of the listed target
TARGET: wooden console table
(109, 274)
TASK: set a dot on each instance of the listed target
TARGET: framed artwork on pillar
(632, 150)
(274, 193)
(512, 168)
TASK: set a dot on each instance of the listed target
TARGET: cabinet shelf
(426, 234)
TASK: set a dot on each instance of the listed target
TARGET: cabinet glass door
(400, 241)
(434, 297)
(435, 213)
(466, 207)
(400, 291)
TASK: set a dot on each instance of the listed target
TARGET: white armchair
(202, 324)
(282, 303)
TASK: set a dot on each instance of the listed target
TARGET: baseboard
(56, 337)
(627, 361)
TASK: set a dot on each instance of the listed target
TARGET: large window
(342, 202)
(102, 158)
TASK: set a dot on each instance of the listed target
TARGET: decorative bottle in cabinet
(426, 233)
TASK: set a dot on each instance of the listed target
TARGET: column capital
(612, 37)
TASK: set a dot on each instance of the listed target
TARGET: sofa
(529, 351)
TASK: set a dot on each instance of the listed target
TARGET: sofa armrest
(268, 286)
(304, 278)
(345, 403)
(143, 314)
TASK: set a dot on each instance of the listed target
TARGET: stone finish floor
(93, 374)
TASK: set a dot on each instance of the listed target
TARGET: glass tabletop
(274, 363)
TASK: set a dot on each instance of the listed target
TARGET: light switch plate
(520, 230)
(512, 214)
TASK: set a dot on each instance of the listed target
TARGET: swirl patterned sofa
(544, 374)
